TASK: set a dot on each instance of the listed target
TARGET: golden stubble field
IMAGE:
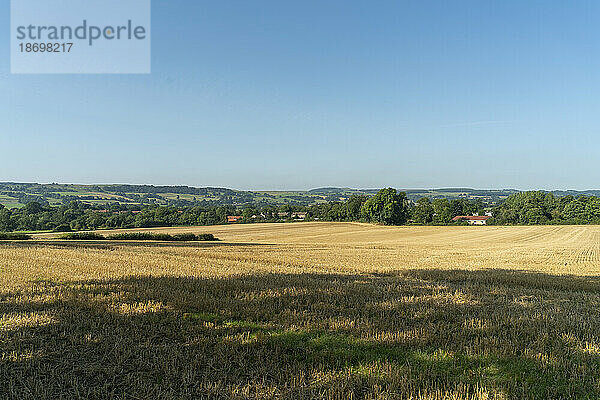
(306, 310)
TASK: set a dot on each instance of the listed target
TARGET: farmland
(305, 310)
(19, 194)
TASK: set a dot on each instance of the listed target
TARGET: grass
(10, 202)
(308, 311)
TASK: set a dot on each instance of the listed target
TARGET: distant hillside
(15, 195)
(19, 194)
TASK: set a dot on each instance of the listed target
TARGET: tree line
(388, 207)
(542, 208)
(393, 208)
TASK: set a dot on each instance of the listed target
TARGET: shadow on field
(471, 334)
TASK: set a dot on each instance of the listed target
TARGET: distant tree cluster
(177, 196)
(390, 207)
(387, 207)
(537, 208)
(441, 211)
(78, 216)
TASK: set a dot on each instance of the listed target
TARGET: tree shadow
(111, 244)
(470, 334)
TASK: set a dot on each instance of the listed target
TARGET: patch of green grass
(10, 202)
(220, 321)
(203, 316)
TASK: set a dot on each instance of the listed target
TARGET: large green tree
(441, 211)
(354, 205)
(423, 211)
(387, 207)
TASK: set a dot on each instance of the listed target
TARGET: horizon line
(303, 190)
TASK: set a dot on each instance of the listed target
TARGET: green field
(184, 195)
(10, 202)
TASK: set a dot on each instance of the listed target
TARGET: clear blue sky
(296, 95)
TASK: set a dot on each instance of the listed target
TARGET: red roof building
(234, 218)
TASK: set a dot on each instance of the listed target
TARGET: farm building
(472, 219)
(299, 215)
(234, 218)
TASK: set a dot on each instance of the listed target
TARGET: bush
(82, 236)
(190, 237)
(182, 237)
(140, 236)
(14, 236)
(209, 237)
(63, 228)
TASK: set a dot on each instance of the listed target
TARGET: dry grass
(310, 310)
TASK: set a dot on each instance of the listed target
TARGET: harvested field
(306, 310)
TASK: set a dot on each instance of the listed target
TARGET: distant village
(296, 216)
